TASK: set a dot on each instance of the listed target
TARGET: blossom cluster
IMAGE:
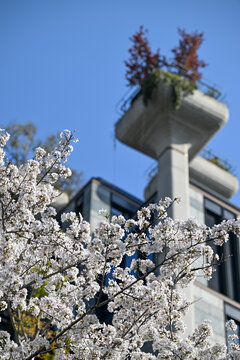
(53, 282)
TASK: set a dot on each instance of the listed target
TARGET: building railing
(219, 160)
(124, 103)
(207, 154)
(206, 86)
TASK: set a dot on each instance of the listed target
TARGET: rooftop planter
(205, 173)
(180, 86)
(214, 177)
(145, 68)
(151, 127)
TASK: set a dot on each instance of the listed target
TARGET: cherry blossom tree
(21, 145)
(58, 280)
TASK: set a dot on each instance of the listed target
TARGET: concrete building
(175, 138)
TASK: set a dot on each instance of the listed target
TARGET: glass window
(232, 313)
(228, 215)
(229, 332)
(79, 208)
(215, 208)
(226, 278)
(123, 203)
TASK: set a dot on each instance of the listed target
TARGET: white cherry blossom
(57, 281)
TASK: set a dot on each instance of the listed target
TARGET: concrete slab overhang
(152, 128)
(212, 177)
(207, 175)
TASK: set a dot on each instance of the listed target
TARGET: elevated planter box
(206, 174)
(153, 127)
(212, 177)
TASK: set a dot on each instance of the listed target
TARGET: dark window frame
(226, 278)
(232, 313)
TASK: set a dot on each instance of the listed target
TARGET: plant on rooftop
(218, 161)
(142, 61)
(181, 87)
(56, 280)
(215, 160)
(186, 56)
(145, 69)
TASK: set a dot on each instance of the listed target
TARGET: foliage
(20, 148)
(142, 61)
(59, 278)
(21, 143)
(186, 56)
(145, 68)
(181, 87)
(215, 160)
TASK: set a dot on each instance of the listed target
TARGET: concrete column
(173, 179)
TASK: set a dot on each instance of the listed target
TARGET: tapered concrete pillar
(173, 179)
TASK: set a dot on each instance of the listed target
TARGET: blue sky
(62, 66)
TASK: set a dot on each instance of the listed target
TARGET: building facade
(175, 139)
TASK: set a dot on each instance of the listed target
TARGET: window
(226, 278)
(79, 205)
(120, 206)
(232, 313)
